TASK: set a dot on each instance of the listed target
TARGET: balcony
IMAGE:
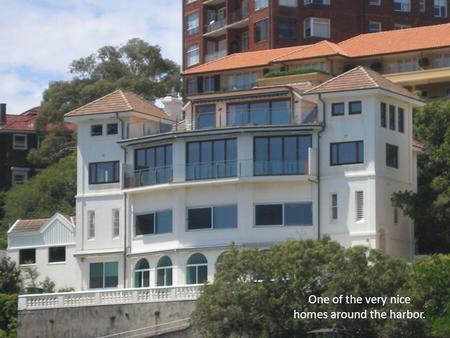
(213, 2)
(109, 297)
(217, 170)
(214, 56)
(238, 19)
(148, 128)
(216, 28)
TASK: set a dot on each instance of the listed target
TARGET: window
(112, 129)
(338, 109)
(97, 130)
(211, 159)
(287, 29)
(164, 272)
(153, 165)
(142, 274)
(401, 26)
(91, 224)
(316, 2)
(391, 117)
(260, 4)
(281, 155)
(261, 30)
(192, 55)
(391, 156)
(115, 223)
(317, 27)
(205, 117)
(374, 2)
(20, 142)
(334, 206)
(19, 176)
(359, 203)
(383, 117)
(346, 153)
(241, 81)
(103, 275)
(104, 172)
(197, 269)
(401, 120)
(402, 5)
(190, 1)
(57, 254)
(283, 214)
(220, 217)
(192, 23)
(355, 108)
(403, 65)
(159, 222)
(374, 26)
(442, 60)
(27, 256)
(211, 84)
(259, 113)
(422, 6)
(440, 8)
(288, 3)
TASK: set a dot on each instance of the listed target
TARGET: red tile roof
(360, 78)
(118, 102)
(364, 45)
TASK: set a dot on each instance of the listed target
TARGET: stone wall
(98, 321)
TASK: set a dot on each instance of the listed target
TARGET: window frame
(372, 25)
(334, 203)
(194, 48)
(248, 112)
(383, 114)
(24, 262)
(57, 261)
(283, 214)
(358, 155)
(115, 170)
(337, 104)
(104, 275)
(351, 103)
(360, 214)
(19, 172)
(288, 22)
(261, 4)
(196, 266)
(98, 133)
(196, 29)
(392, 156)
(401, 119)
(402, 3)
(258, 30)
(140, 273)
(212, 221)
(114, 131)
(18, 145)
(310, 21)
(155, 223)
(392, 117)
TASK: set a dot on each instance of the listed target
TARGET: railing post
(22, 303)
(60, 301)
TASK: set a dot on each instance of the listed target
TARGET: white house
(159, 199)
(47, 244)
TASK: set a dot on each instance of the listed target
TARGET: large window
(104, 172)
(347, 153)
(192, 55)
(287, 29)
(57, 254)
(103, 275)
(402, 5)
(153, 165)
(219, 217)
(281, 155)
(192, 23)
(241, 81)
(164, 272)
(259, 113)
(142, 274)
(196, 269)
(159, 222)
(261, 30)
(211, 159)
(27, 256)
(205, 117)
(283, 214)
(391, 155)
(440, 8)
(317, 27)
(260, 4)
(288, 3)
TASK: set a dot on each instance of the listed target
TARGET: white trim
(14, 145)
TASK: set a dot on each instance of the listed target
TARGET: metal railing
(238, 15)
(139, 129)
(108, 297)
(216, 24)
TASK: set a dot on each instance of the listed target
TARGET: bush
(294, 72)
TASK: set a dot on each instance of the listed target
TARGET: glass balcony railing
(211, 170)
(150, 176)
(281, 167)
(215, 25)
(214, 56)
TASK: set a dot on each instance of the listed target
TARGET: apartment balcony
(238, 19)
(213, 2)
(148, 128)
(217, 170)
(216, 28)
(420, 77)
(109, 297)
(214, 56)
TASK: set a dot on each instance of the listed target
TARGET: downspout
(318, 165)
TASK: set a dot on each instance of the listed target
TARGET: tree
(9, 276)
(255, 292)
(430, 206)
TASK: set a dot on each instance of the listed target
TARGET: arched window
(196, 269)
(142, 274)
(164, 272)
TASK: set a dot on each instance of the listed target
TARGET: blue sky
(40, 38)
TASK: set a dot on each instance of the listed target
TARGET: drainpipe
(318, 165)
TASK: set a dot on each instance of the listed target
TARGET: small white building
(49, 245)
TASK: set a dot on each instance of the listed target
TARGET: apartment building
(160, 200)
(213, 29)
(416, 58)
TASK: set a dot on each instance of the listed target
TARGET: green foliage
(255, 293)
(30, 275)
(9, 276)
(66, 290)
(294, 72)
(47, 285)
(8, 315)
(430, 206)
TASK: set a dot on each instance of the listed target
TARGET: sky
(40, 38)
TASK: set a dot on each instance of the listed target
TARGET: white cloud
(43, 37)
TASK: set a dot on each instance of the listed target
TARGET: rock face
(162, 319)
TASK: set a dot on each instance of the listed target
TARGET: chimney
(173, 106)
(2, 114)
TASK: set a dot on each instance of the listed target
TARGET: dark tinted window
(391, 156)
(145, 224)
(338, 109)
(112, 129)
(391, 117)
(287, 29)
(401, 120)
(95, 275)
(97, 130)
(104, 172)
(355, 107)
(57, 254)
(259, 113)
(164, 221)
(298, 214)
(346, 153)
(206, 117)
(225, 217)
(261, 30)
(383, 113)
(269, 214)
(199, 218)
(103, 275)
(27, 256)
